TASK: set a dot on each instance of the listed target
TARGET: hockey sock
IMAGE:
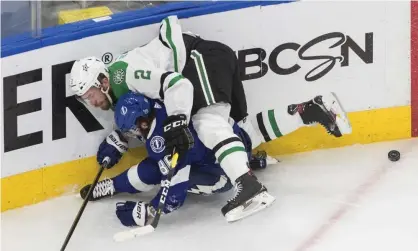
(269, 125)
(276, 123)
(232, 157)
(215, 132)
(133, 180)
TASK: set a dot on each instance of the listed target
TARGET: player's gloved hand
(132, 213)
(177, 134)
(258, 161)
(113, 146)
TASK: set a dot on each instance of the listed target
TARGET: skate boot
(325, 110)
(102, 190)
(251, 196)
(261, 160)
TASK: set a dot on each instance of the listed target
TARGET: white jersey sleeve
(171, 36)
(178, 94)
(154, 70)
(171, 87)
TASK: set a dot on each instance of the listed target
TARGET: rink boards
(289, 52)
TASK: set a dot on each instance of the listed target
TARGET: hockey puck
(394, 155)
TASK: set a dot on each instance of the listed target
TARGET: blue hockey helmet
(129, 109)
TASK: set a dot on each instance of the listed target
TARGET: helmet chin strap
(106, 92)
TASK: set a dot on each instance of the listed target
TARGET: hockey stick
(138, 231)
(105, 163)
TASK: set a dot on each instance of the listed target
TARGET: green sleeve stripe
(174, 80)
(170, 41)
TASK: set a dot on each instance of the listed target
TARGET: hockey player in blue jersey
(198, 171)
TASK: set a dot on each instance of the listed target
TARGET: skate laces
(103, 188)
(238, 188)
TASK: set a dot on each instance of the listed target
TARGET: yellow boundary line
(65, 178)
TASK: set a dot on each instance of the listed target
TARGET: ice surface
(350, 198)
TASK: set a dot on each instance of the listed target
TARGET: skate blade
(333, 104)
(258, 203)
(132, 233)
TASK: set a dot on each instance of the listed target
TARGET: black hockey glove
(177, 135)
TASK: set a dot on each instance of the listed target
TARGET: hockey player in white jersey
(198, 80)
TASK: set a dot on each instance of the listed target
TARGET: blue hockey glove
(134, 213)
(114, 146)
(258, 161)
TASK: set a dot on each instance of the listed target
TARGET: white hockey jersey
(154, 70)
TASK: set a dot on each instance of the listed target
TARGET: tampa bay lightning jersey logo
(157, 144)
(123, 110)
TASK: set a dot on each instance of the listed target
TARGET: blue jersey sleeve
(178, 188)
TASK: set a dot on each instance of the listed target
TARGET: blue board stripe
(120, 21)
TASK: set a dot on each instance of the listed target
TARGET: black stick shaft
(80, 212)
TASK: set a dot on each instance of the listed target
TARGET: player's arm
(142, 213)
(172, 87)
(113, 147)
(177, 93)
(171, 36)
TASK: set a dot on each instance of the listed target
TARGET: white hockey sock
(270, 125)
(215, 132)
(232, 157)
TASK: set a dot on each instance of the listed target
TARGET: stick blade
(132, 233)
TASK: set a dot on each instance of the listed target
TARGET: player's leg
(239, 112)
(211, 179)
(238, 98)
(259, 160)
(208, 180)
(139, 178)
(211, 72)
(269, 125)
(216, 134)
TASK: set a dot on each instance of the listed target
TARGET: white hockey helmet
(86, 73)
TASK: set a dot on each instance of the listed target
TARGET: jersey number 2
(142, 74)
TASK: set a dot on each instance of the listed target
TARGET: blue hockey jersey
(197, 168)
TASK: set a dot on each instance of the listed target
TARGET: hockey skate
(325, 110)
(251, 197)
(102, 190)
